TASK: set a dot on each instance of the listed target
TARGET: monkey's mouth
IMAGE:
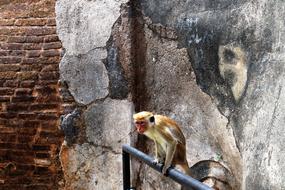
(140, 129)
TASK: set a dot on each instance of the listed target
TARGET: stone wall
(30, 104)
(216, 67)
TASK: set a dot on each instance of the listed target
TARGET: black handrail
(174, 174)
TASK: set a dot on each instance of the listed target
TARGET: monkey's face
(143, 120)
(141, 126)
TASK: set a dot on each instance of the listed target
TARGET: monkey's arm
(159, 153)
(170, 151)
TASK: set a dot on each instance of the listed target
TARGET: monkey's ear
(151, 119)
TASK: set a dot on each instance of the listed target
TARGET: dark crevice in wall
(138, 60)
(140, 94)
(118, 85)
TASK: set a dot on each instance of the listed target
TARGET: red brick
(38, 187)
(51, 38)
(30, 61)
(3, 53)
(6, 146)
(42, 155)
(34, 39)
(8, 75)
(32, 46)
(20, 156)
(51, 53)
(52, 45)
(5, 31)
(17, 53)
(22, 146)
(28, 75)
(39, 147)
(17, 107)
(27, 116)
(50, 128)
(41, 171)
(51, 22)
(50, 60)
(17, 39)
(9, 67)
(22, 99)
(7, 22)
(4, 122)
(42, 106)
(48, 116)
(4, 99)
(6, 91)
(40, 31)
(11, 186)
(9, 138)
(11, 46)
(26, 139)
(10, 60)
(3, 38)
(47, 82)
(50, 68)
(2, 81)
(33, 67)
(49, 75)
(34, 53)
(51, 98)
(23, 91)
(11, 83)
(27, 131)
(30, 22)
(27, 84)
(31, 123)
(46, 90)
(7, 115)
(6, 130)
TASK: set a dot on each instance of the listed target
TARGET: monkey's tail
(188, 171)
(212, 173)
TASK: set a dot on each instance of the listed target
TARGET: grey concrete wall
(216, 67)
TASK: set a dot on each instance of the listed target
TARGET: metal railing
(172, 173)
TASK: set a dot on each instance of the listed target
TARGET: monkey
(170, 143)
(170, 150)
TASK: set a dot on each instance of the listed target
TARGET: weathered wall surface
(91, 74)
(30, 104)
(216, 67)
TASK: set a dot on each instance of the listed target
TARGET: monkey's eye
(139, 123)
(151, 119)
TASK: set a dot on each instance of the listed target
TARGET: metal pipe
(174, 174)
(126, 171)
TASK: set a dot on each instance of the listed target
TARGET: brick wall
(30, 104)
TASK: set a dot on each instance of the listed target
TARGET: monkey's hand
(158, 160)
(164, 170)
(155, 161)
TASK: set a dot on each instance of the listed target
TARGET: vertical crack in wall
(138, 60)
(138, 49)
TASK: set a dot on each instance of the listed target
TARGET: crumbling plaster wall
(216, 67)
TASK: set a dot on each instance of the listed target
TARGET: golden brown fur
(169, 140)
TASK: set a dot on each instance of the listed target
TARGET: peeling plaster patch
(91, 167)
(83, 25)
(86, 76)
(233, 68)
(109, 123)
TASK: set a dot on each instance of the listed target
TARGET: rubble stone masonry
(30, 104)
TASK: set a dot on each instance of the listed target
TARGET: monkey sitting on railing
(170, 149)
